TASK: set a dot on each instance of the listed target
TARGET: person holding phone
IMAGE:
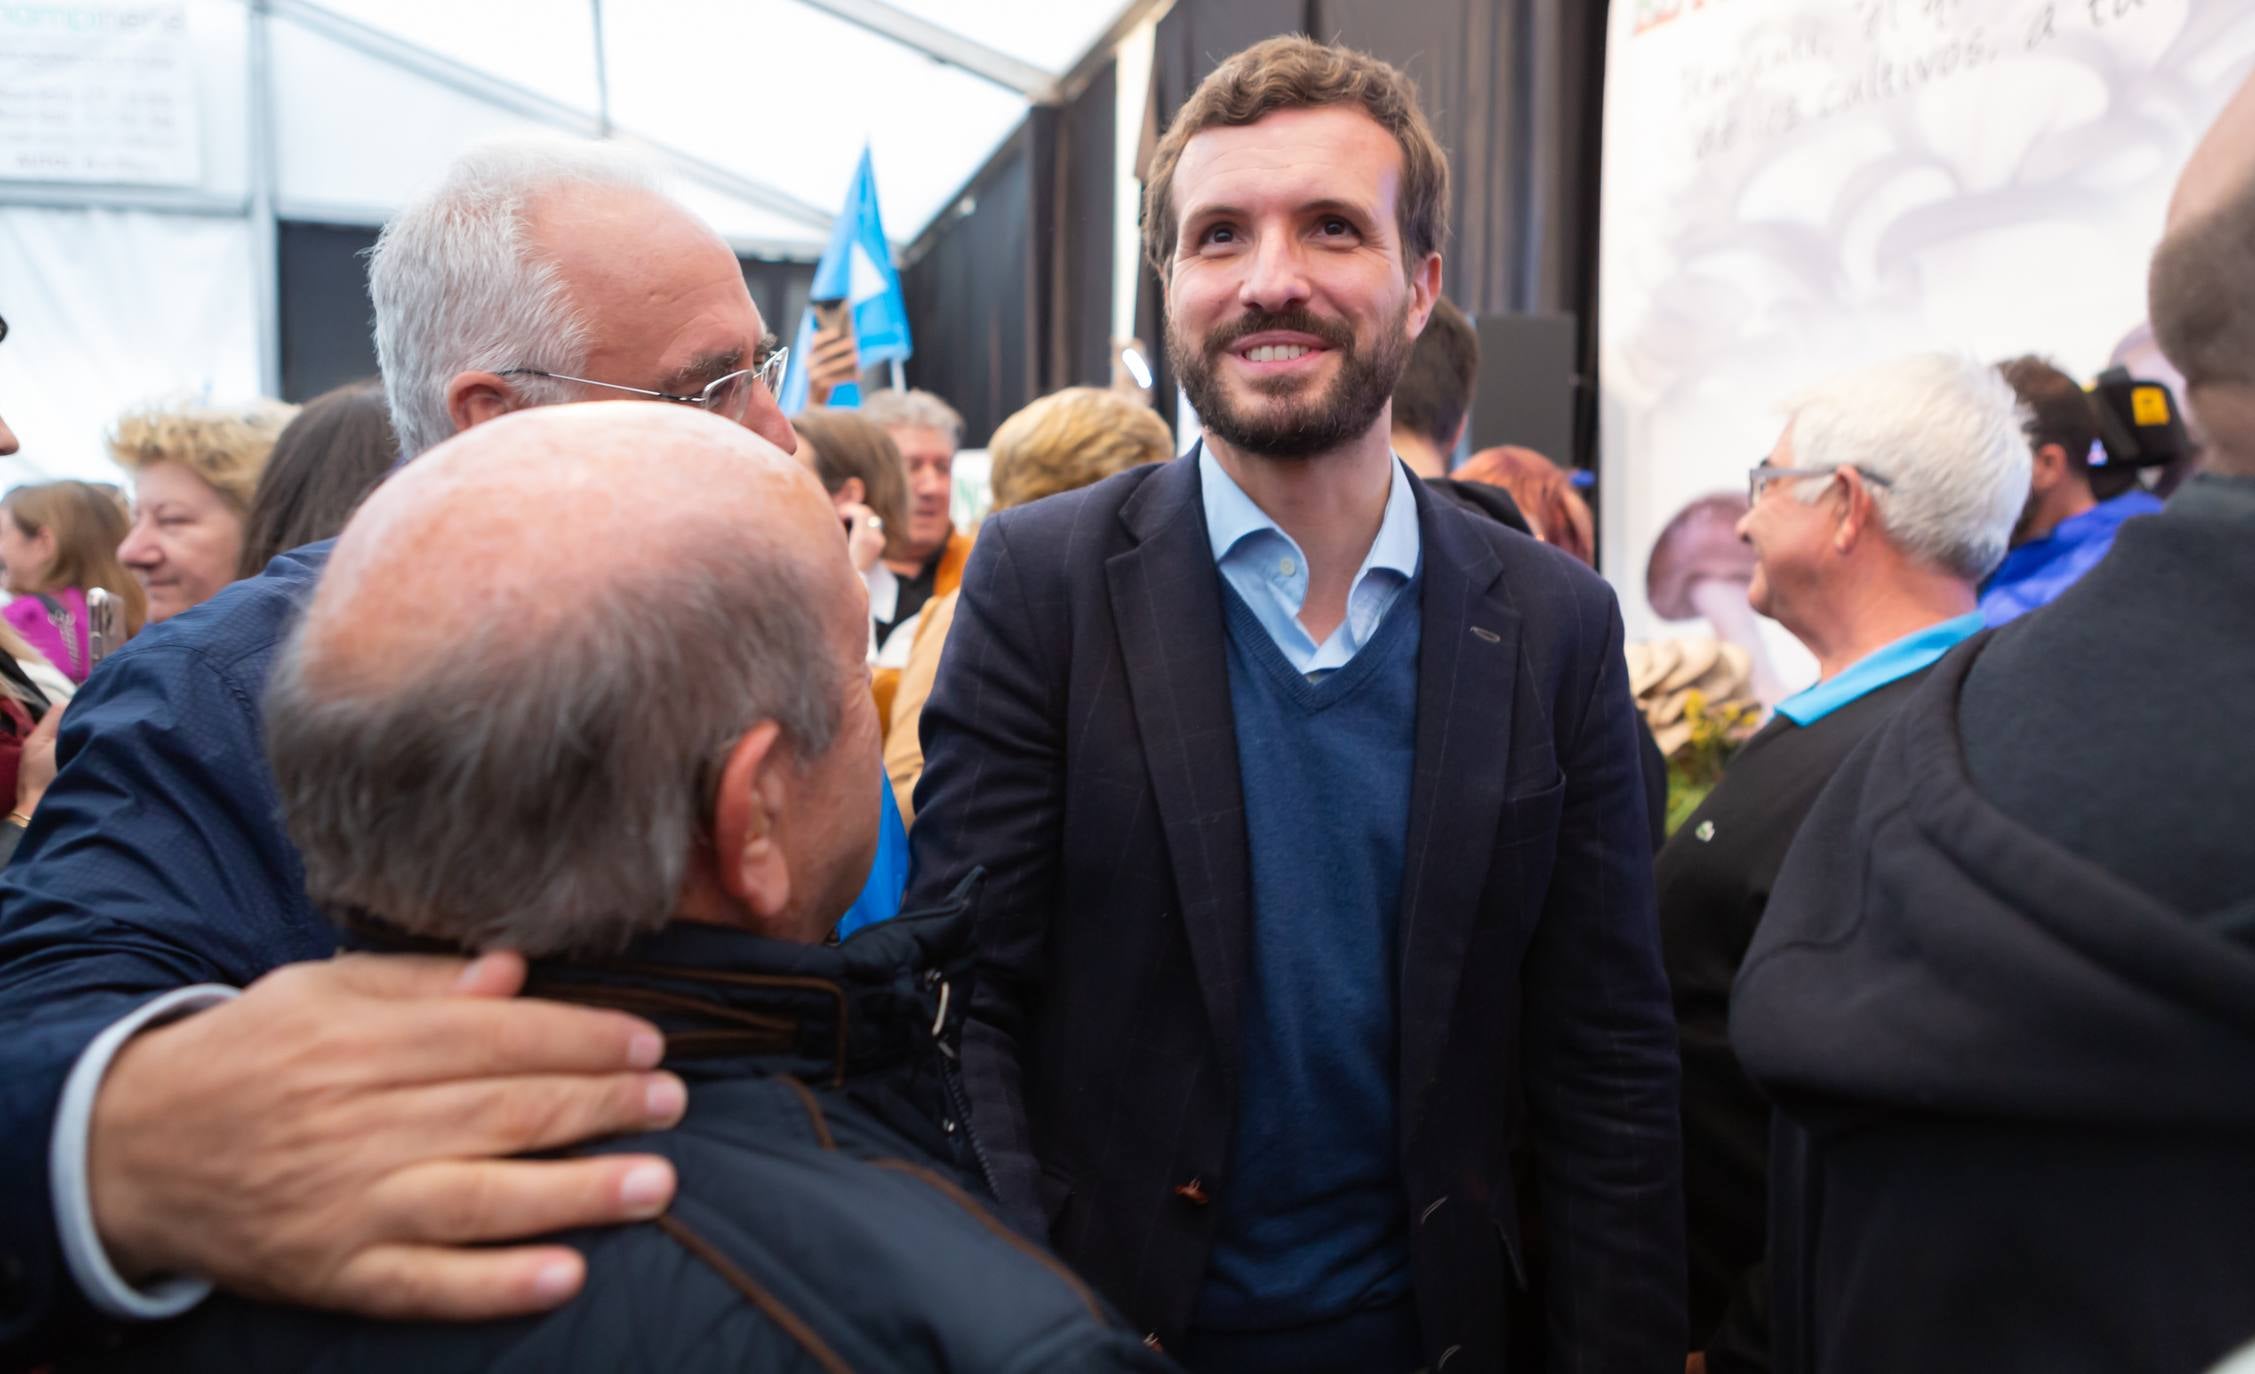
(834, 360)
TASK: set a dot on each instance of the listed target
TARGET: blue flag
(857, 268)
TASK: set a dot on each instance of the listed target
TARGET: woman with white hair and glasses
(1890, 495)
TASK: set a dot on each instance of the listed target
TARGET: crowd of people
(452, 927)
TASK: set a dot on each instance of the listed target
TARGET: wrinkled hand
(865, 535)
(330, 1139)
(832, 360)
(36, 768)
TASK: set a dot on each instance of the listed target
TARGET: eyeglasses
(1764, 473)
(729, 397)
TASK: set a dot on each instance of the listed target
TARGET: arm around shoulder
(154, 863)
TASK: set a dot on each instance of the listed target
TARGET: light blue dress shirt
(1267, 568)
(1880, 667)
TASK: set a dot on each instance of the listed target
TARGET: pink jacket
(28, 615)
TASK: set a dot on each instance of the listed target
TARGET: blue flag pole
(856, 267)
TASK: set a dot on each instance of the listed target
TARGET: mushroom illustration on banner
(1700, 569)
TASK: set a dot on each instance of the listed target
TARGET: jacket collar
(732, 1004)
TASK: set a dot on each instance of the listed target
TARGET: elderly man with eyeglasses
(1890, 495)
(338, 1133)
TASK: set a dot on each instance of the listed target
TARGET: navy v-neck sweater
(1313, 1222)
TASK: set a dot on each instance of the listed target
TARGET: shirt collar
(1874, 670)
(2102, 519)
(1232, 518)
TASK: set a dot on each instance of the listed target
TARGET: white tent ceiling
(161, 282)
(774, 99)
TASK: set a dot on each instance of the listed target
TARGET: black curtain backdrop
(1080, 309)
(1010, 293)
(325, 313)
(970, 289)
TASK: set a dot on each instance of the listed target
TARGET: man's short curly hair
(1294, 72)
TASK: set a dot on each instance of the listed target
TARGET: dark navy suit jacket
(1079, 746)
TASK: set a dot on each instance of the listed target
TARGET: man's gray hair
(912, 410)
(1946, 433)
(544, 792)
(457, 287)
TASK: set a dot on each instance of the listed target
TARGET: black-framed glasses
(729, 397)
(1763, 474)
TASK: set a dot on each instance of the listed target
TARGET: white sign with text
(1793, 188)
(98, 92)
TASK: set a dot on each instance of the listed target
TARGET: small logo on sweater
(1705, 832)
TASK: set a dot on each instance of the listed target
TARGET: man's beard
(1293, 429)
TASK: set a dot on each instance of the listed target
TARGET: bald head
(2201, 290)
(541, 510)
(506, 716)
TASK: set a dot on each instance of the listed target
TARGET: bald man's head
(511, 713)
(2201, 289)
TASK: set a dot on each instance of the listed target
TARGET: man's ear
(2048, 467)
(1424, 289)
(472, 398)
(754, 792)
(1856, 512)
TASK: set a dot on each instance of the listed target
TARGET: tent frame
(262, 207)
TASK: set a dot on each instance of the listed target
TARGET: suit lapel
(1466, 668)
(1166, 602)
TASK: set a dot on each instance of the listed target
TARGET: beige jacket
(904, 747)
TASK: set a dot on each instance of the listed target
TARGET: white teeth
(1278, 353)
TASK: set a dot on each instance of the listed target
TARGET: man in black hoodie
(2004, 996)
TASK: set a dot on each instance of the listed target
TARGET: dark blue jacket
(156, 861)
(1080, 746)
(827, 1218)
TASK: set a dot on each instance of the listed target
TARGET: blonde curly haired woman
(194, 470)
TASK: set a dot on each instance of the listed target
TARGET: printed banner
(1797, 187)
(95, 92)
